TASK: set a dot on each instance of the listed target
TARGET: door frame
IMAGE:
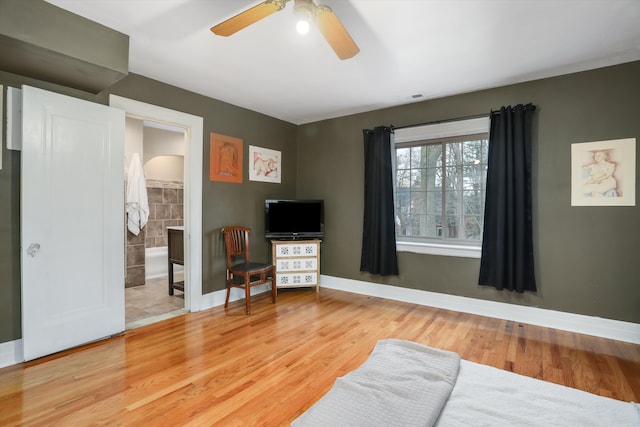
(193, 126)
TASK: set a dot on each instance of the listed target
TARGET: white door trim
(193, 126)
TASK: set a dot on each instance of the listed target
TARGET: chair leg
(247, 294)
(226, 301)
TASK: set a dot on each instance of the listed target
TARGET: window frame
(438, 131)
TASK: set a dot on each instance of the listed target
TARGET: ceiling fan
(326, 20)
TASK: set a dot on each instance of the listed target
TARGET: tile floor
(151, 302)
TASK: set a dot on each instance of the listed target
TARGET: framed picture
(264, 164)
(603, 173)
(225, 158)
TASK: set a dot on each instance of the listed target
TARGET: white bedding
(408, 384)
(487, 396)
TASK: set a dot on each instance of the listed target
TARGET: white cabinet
(297, 263)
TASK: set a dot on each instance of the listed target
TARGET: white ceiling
(434, 48)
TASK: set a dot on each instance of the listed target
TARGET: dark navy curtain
(507, 241)
(378, 234)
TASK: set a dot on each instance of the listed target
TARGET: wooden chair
(245, 274)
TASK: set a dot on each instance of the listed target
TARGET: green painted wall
(586, 257)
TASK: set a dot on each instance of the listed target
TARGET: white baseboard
(11, 353)
(588, 325)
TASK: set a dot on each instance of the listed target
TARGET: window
(440, 187)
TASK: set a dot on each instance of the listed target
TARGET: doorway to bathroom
(169, 146)
(157, 149)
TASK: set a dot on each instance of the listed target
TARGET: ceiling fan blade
(335, 33)
(248, 17)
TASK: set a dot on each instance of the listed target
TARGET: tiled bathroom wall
(135, 259)
(165, 210)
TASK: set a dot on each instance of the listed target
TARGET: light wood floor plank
(222, 367)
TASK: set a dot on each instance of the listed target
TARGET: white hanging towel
(137, 202)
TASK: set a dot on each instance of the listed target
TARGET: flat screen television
(293, 219)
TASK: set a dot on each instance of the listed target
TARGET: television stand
(297, 263)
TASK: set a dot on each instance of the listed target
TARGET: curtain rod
(477, 116)
(524, 107)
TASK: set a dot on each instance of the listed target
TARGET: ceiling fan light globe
(302, 26)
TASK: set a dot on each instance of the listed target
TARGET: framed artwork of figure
(225, 158)
(603, 173)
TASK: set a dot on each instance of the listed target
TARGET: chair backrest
(236, 241)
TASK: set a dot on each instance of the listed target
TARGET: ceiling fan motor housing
(304, 9)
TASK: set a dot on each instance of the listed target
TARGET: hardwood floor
(226, 368)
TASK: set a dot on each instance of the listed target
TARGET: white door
(72, 199)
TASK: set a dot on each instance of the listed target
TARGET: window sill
(439, 249)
